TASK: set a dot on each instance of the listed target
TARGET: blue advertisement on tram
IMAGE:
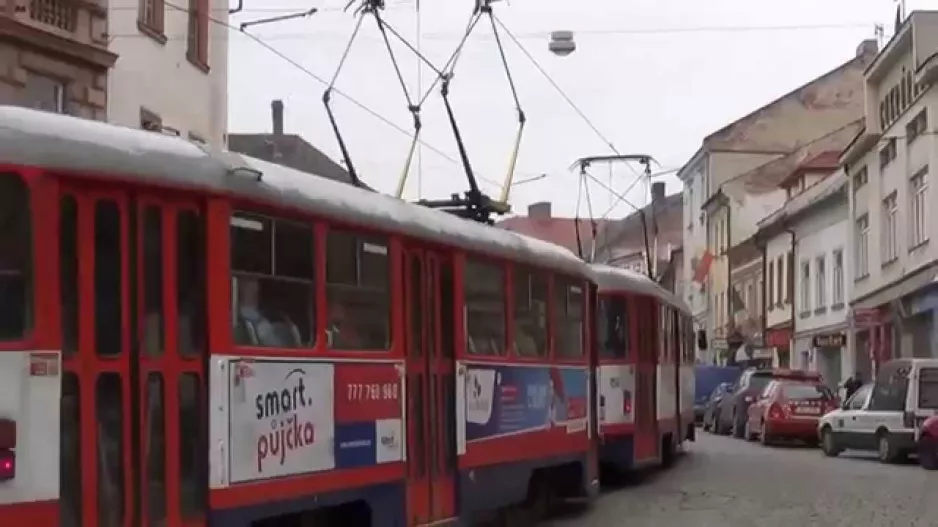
(503, 400)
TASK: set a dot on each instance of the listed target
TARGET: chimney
(868, 47)
(539, 210)
(657, 191)
(276, 111)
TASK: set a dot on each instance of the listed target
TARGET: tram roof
(70, 144)
(610, 278)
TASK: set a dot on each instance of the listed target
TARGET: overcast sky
(653, 76)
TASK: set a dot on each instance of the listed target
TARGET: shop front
(779, 340)
(827, 353)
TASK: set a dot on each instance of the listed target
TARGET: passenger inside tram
(253, 324)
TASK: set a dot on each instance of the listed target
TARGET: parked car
(706, 379)
(928, 444)
(710, 405)
(887, 416)
(789, 409)
(732, 411)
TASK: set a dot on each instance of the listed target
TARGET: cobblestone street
(725, 482)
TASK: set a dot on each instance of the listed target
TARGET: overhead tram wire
(261, 42)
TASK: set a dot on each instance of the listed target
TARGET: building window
(150, 17)
(805, 286)
(770, 291)
(197, 51)
(820, 277)
(862, 247)
(918, 209)
(888, 153)
(838, 296)
(43, 93)
(890, 229)
(779, 281)
(860, 178)
(917, 126)
(750, 298)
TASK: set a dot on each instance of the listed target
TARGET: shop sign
(778, 338)
(829, 340)
(865, 318)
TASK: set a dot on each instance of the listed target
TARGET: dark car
(733, 409)
(706, 378)
(707, 409)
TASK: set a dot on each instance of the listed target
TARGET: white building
(810, 112)
(819, 219)
(172, 67)
(890, 167)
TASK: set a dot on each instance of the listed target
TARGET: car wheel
(928, 453)
(738, 431)
(886, 450)
(748, 432)
(764, 435)
(828, 443)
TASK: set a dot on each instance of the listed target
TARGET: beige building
(54, 56)
(804, 115)
(890, 167)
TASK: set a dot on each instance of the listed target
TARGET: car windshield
(805, 391)
(759, 382)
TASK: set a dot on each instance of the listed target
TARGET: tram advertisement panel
(296, 417)
(504, 400)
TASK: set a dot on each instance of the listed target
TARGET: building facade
(54, 56)
(819, 342)
(827, 103)
(890, 167)
(173, 70)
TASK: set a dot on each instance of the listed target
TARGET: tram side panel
(520, 425)
(616, 388)
(302, 435)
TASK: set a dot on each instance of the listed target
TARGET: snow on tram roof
(57, 142)
(616, 278)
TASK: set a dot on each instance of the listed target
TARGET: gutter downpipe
(791, 292)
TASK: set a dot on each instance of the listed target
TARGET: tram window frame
(366, 290)
(484, 281)
(606, 351)
(17, 242)
(531, 338)
(254, 273)
(569, 323)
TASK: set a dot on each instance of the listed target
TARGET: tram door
(431, 388)
(133, 337)
(646, 420)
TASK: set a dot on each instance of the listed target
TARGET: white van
(885, 416)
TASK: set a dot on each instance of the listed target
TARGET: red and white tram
(195, 338)
(644, 375)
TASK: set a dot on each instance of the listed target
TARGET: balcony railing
(61, 14)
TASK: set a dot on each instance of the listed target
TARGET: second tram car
(645, 348)
(231, 342)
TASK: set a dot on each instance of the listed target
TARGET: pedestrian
(852, 384)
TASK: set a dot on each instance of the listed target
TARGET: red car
(928, 444)
(789, 409)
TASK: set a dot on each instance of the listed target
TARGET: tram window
(155, 448)
(70, 484)
(613, 328)
(358, 297)
(110, 450)
(484, 286)
(272, 282)
(192, 497)
(68, 273)
(108, 258)
(15, 259)
(190, 283)
(530, 316)
(568, 318)
(153, 281)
